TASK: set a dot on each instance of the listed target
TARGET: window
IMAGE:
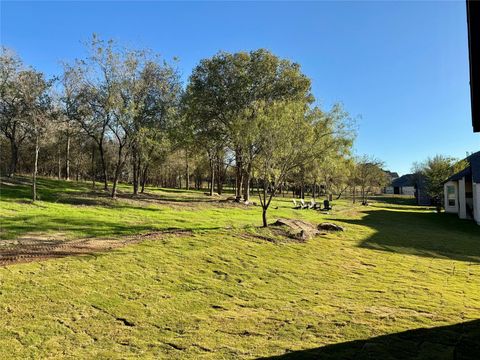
(451, 196)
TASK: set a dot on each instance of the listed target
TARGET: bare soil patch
(297, 229)
(39, 248)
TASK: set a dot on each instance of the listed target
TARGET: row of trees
(246, 120)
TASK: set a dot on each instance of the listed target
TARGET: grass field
(220, 290)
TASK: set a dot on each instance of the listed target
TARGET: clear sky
(400, 68)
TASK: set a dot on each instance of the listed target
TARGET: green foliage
(367, 173)
(437, 170)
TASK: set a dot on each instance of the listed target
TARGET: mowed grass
(220, 292)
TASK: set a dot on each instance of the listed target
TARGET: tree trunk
(264, 217)
(219, 177)
(212, 176)
(136, 171)
(67, 158)
(93, 167)
(239, 175)
(246, 186)
(104, 166)
(14, 158)
(187, 171)
(35, 169)
(59, 170)
(118, 169)
(144, 178)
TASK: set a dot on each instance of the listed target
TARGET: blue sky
(400, 68)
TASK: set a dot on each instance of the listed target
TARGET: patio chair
(302, 202)
(327, 206)
(295, 204)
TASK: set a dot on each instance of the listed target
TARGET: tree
(436, 171)
(155, 98)
(124, 96)
(336, 134)
(369, 176)
(70, 105)
(291, 136)
(35, 112)
(225, 91)
(94, 84)
(281, 153)
(12, 104)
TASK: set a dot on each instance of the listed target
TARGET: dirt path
(39, 248)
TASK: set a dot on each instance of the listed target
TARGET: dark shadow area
(453, 342)
(421, 233)
(396, 200)
(16, 227)
(18, 189)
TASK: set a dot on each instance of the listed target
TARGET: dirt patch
(297, 229)
(39, 248)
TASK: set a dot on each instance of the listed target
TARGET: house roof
(473, 169)
(391, 175)
(461, 174)
(474, 161)
(405, 180)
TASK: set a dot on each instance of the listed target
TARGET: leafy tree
(125, 95)
(281, 153)
(12, 103)
(69, 104)
(36, 113)
(369, 175)
(223, 94)
(436, 171)
(155, 98)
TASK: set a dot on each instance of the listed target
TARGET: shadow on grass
(459, 341)
(23, 225)
(18, 189)
(421, 233)
(396, 200)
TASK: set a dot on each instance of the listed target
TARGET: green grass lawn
(220, 291)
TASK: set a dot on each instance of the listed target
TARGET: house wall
(462, 208)
(389, 190)
(407, 190)
(476, 202)
(448, 208)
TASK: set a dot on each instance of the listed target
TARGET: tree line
(247, 121)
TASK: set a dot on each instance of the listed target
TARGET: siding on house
(407, 190)
(466, 185)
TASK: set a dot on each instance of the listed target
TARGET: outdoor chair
(327, 206)
(295, 205)
(302, 202)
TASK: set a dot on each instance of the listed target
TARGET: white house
(462, 191)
